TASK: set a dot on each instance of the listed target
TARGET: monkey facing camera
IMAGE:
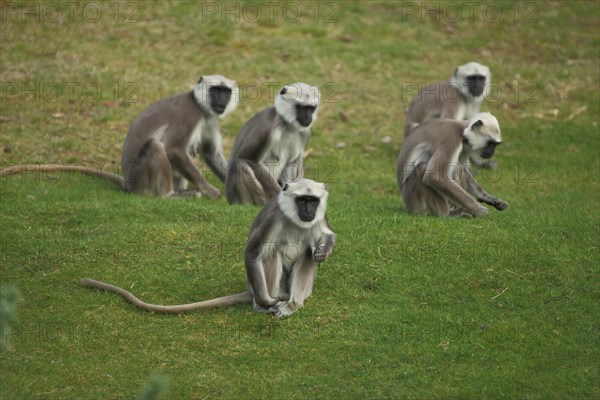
(269, 150)
(158, 151)
(288, 239)
(157, 158)
(459, 98)
(433, 168)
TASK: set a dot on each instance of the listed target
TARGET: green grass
(407, 308)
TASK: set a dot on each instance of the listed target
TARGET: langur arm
(481, 195)
(182, 162)
(324, 247)
(215, 160)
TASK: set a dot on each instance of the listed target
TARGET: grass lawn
(408, 307)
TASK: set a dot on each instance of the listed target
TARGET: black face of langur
(307, 207)
(488, 151)
(219, 98)
(304, 114)
(476, 84)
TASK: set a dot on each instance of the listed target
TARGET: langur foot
(282, 309)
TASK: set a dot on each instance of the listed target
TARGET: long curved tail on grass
(240, 298)
(53, 168)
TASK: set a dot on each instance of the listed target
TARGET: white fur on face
(302, 93)
(201, 93)
(303, 187)
(490, 130)
(472, 68)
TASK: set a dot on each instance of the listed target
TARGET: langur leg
(150, 173)
(269, 185)
(183, 164)
(264, 277)
(292, 172)
(244, 186)
(421, 199)
(302, 279)
(300, 283)
(449, 190)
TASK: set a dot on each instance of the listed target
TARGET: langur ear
(285, 187)
(200, 80)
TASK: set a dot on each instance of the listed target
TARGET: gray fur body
(451, 99)
(281, 257)
(269, 149)
(433, 171)
(287, 240)
(158, 152)
(460, 98)
(440, 100)
(268, 152)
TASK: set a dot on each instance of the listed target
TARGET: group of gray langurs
(444, 134)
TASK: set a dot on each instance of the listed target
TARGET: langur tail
(240, 298)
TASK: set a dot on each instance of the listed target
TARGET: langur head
(298, 103)
(216, 94)
(304, 202)
(472, 79)
(483, 134)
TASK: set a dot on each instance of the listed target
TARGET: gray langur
(433, 171)
(287, 240)
(269, 150)
(158, 150)
(459, 98)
